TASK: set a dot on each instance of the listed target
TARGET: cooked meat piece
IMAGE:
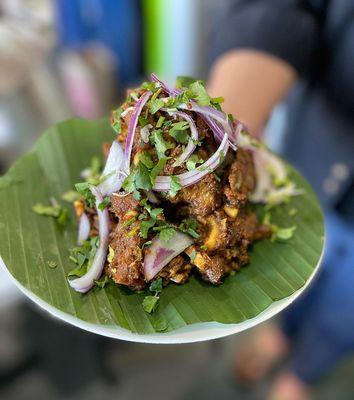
(125, 207)
(215, 231)
(200, 199)
(212, 268)
(241, 179)
(126, 267)
(177, 270)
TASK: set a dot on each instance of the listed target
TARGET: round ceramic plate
(31, 244)
(198, 332)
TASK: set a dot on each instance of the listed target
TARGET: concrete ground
(43, 359)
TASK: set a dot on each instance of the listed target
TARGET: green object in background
(154, 41)
(28, 242)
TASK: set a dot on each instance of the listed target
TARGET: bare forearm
(252, 83)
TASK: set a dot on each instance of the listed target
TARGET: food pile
(174, 196)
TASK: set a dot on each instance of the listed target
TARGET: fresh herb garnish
(157, 169)
(102, 282)
(178, 131)
(104, 204)
(175, 185)
(146, 159)
(150, 302)
(70, 196)
(52, 264)
(184, 81)
(160, 143)
(83, 256)
(199, 93)
(116, 120)
(193, 161)
(84, 189)
(56, 211)
(160, 121)
(189, 226)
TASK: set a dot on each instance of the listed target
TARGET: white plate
(189, 334)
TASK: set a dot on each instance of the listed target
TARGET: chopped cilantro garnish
(179, 132)
(193, 161)
(145, 226)
(283, 234)
(150, 304)
(157, 169)
(52, 264)
(156, 286)
(292, 212)
(58, 212)
(160, 143)
(189, 226)
(199, 93)
(167, 233)
(83, 256)
(142, 178)
(184, 81)
(160, 121)
(104, 204)
(102, 282)
(70, 196)
(160, 324)
(146, 159)
(84, 189)
(116, 120)
(175, 185)
(143, 121)
(128, 222)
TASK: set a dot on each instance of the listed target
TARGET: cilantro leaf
(156, 286)
(145, 226)
(160, 324)
(160, 143)
(129, 182)
(47, 210)
(116, 120)
(52, 264)
(178, 132)
(157, 169)
(175, 185)
(142, 178)
(184, 81)
(84, 189)
(143, 121)
(160, 121)
(155, 105)
(167, 233)
(70, 196)
(102, 282)
(199, 93)
(150, 304)
(104, 204)
(193, 161)
(146, 159)
(283, 234)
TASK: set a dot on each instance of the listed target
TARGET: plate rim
(193, 333)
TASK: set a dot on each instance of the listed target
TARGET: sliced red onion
(111, 177)
(207, 113)
(191, 143)
(132, 128)
(270, 169)
(86, 282)
(161, 252)
(162, 183)
(145, 133)
(84, 229)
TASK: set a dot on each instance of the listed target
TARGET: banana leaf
(30, 243)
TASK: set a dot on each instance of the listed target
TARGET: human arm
(259, 50)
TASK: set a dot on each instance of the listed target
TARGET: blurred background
(61, 58)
